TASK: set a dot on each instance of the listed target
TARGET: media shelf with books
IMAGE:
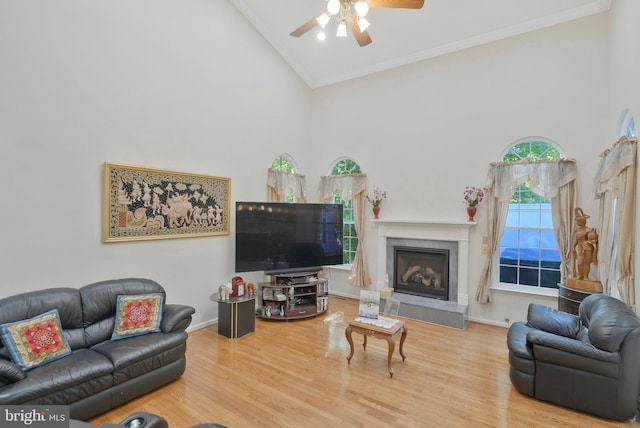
(293, 296)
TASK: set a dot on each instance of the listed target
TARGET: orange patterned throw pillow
(138, 314)
(36, 341)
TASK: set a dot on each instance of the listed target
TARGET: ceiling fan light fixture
(363, 24)
(333, 7)
(342, 30)
(321, 36)
(323, 19)
(362, 8)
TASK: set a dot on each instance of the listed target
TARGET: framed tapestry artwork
(144, 203)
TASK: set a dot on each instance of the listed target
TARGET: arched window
(285, 163)
(528, 250)
(347, 166)
(626, 125)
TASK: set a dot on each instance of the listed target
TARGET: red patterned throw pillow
(137, 315)
(36, 341)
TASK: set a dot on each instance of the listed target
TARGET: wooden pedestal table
(389, 334)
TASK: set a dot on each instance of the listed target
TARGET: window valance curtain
(349, 185)
(280, 182)
(552, 179)
(615, 188)
(352, 188)
(545, 177)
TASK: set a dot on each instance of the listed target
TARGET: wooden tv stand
(293, 296)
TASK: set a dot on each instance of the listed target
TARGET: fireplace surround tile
(450, 235)
(435, 311)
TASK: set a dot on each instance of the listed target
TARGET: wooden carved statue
(585, 246)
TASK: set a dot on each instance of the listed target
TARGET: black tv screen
(282, 237)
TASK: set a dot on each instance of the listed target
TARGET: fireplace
(421, 271)
(452, 236)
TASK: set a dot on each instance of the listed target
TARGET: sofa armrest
(176, 317)
(10, 372)
(571, 346)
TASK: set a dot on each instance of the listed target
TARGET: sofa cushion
(28, 305)
(138, 314)
(99, 301)
(64, 381)
(137, 355)
(553, 321)
(35, 341)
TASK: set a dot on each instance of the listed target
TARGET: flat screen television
(282, 238)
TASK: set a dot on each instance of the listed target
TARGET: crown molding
(592, 8)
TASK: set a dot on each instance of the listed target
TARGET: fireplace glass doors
(421, 272)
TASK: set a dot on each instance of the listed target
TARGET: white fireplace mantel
(444, 230)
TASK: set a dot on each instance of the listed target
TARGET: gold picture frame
(145, 203)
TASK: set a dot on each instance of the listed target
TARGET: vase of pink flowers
(473, 196)
(375, 198)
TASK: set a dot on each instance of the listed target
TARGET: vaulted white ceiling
(401, 36)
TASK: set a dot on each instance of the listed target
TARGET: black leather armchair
(589, 362)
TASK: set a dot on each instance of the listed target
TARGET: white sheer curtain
(554, 180)
(279, 183)
(615, 188)
(352, 188)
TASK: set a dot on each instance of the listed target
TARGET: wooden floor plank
(295, 374)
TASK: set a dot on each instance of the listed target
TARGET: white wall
(624, 80)
(185, 86)
(425, 131)
(190, 86)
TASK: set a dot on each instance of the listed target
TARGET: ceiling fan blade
(304, 28)
(405, 4)
(361, 36)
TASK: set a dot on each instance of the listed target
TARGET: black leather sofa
(589, 362)
(99, 373)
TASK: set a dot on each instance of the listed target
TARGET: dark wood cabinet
(569, 299)
(293, 296)
(236, 316)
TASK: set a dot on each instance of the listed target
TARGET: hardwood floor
(295, 374)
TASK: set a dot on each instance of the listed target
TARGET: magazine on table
(369, 304)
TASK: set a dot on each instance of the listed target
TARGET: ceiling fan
(352, 13)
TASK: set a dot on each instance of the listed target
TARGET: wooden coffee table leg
(364, 344)
(347, 333)
(392, 346)
(402, 338)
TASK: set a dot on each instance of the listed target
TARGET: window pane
(509, 256)
(512, 216)
(529, 215)
(529, 257)
(548, 239)
(550, 259)
(529, 238)
(529, 276)
(549, 278)
(353, 243)
(509, 275)
(545, 216)
(631, 132)
(509, 238)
